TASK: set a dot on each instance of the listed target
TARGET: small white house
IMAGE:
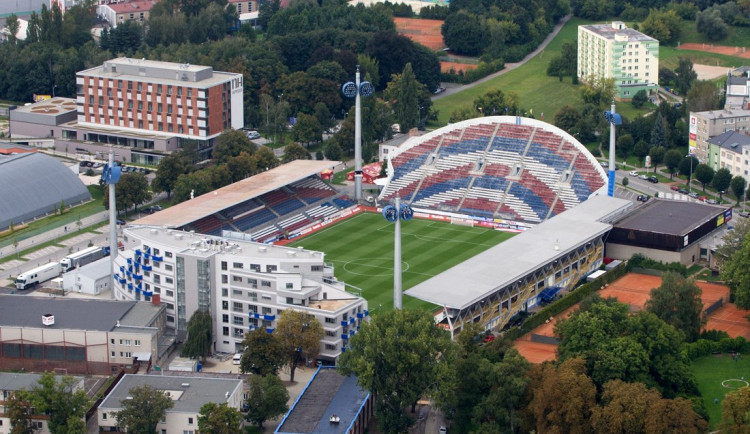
(92, 279)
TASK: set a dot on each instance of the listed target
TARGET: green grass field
(709, 372)
(361, 250)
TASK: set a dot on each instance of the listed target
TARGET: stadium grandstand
(34, 185)
(503, 167)
(492, 287)
(269, 206)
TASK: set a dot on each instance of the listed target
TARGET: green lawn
(738, 36)
(669, 57)
(361, 250)
(709, 372)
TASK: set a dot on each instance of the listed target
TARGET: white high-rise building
(625, 55)
(244, 285)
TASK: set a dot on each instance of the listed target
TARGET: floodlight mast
(357, 142)
(113, 248)
(614, 119)
(397, 304)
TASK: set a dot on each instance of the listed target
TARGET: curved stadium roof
(33, 184)
(496, 167)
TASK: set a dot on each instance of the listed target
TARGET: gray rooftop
(732, 140)
(196, 391)
(670, 217)
(158, 72)
(327, 393)
(721, 114)
(74, 313)
(499, 266)
(17, 381)
(609, 31)
(33, 184)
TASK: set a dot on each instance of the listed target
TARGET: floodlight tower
(394, 214)
(110, 176)
(357, 90)
(613, 118)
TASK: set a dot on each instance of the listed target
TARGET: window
(225, 318)
(224, 292)
(237, 307)
(167, 267)
(223, 265)
(316, 268)
(237, 279)
(170, 293)
(237, 265)
(168, 280)
(104, 416)
(190, 421)
(289, 285)
(224, 278)
(265, 283)
(255, 267)
(168, 254)
(137, 342)
(225, 331)
(330, 320)
(238, 320)
(271, 268)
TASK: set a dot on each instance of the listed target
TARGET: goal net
(462, 221)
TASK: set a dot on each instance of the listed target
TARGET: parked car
(744, 214)
(693, 194)
(443, 430)
(604, 164)
(252, 135)
(633, 173)
(642, 198)
(120, 221)
(643, 177)
(712, 201)
(653, 179)
(674, 188)
(682, 191)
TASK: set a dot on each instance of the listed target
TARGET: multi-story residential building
(617, 52)
(244, 285)
(12, 382)
(704, 125)
(245, 6)
(118, 13)
(188, 395)
(82, 336)
(731, 150)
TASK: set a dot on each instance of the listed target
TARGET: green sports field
(714, 375)
(361, 250)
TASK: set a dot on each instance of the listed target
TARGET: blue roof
(328, 393)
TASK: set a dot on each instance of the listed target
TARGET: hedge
(705, 347)
(566, 302)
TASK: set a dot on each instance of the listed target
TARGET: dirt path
(508, 66)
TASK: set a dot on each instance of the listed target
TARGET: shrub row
(483, 69)
(566, 302)
(640, 261)
(705, 347)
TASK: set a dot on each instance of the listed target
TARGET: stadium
(510, 173)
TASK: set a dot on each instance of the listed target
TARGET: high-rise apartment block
(617, 52)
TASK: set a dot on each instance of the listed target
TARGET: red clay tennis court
(634, 289)
(425, 32)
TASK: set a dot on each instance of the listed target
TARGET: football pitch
(361, 250)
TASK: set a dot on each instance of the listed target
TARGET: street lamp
(690, 178)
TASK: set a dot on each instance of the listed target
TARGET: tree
(703, 96)
(12, 24)
(735, 411)
(142, 413)
(598, 91)
(332, 151)
(731, 242)
(561, 398)
(294, 151)
(641, 149)
(704, 174)
(738, 185)
(307, 130)
(639, 99)
(567, 118)
(265, 159)
(672, 160)
(678, 303)
(404, 91)
(299, 336)
(685, 75)
(721, 181)
(688, 165)
(200, 335)
(496, 102)
(657, 155)
(232, 143)
(66, 408)
(632, 407)
(710, 24)
(219, 419)
(266, 399)
(132, 190)
(242, 166)
(167, 172)
(18, 409)
(659, 131)
(263, 354)
(462, 31)
(625, 144)
(736, 270)
(377, 358)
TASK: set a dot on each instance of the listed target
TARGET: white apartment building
(614, 51)
(244, 285)
(188, 395)
(732, 152)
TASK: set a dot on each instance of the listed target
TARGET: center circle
(370, 267)
(735, 383)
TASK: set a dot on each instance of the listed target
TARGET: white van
(237, 359)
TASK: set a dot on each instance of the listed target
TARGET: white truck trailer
(85, 256)
(37, 275)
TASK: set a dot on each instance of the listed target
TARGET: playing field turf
(361, 250)
(711, 371)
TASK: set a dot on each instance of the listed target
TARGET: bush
(639, 99)
(625, 182)
(640, 261)
(483, 69)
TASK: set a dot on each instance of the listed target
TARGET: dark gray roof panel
(33, 185)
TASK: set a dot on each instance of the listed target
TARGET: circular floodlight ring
(366, 89)
(349, 89)
(390, 213)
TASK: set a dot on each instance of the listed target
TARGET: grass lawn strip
(710, 372)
